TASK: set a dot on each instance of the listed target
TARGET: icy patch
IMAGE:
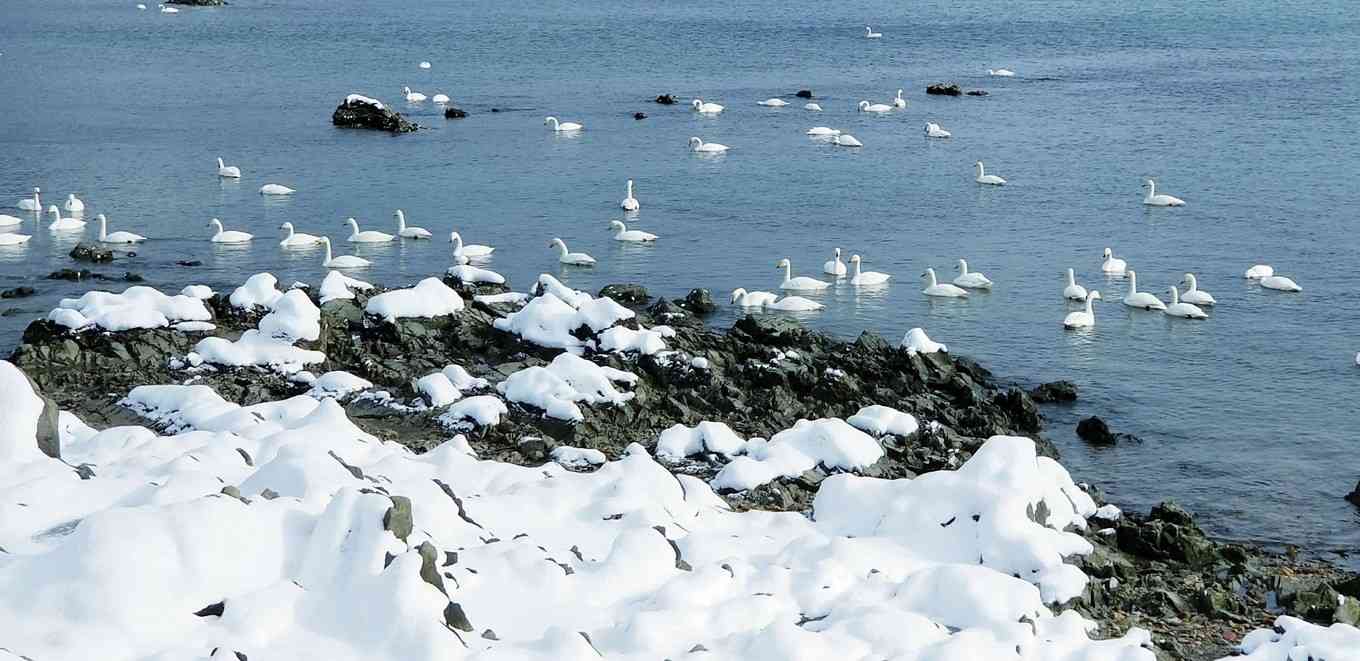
(879, 420)
(828, 442)
(1293, 639)
(512, 298)
(429, 298)
(679, 441)
(645, 341)
(368, 101)
(136, 307)
(569, 379)
(259, 290)
(338, 286)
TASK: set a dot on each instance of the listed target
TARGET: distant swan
(13, 239)
(60, 224)
(168, 10)
(462, 253)
(800, 283)
(988, 179)
(1085, 318)
(934, 130)
(773, 103)
(409, 232)
(706, 108)
(865, 106)
(846, 140)
(413, 97)
(74, 204)
(1005, 73)
(1154, 199)
(752, 299)
(228, 236)
(565, 257)
(276, 189)
(1183, 310)
(1280, 283)
(32, 203)
(116, 237)
(1073, 291)
(834, 266)
(1260, 271)
(141, 6)
(1141, 300)
(899, 102)
(343, 261)
(630, 203)
(1112, 265)
(632, 236)
(562, 127)
(823, 131)
(440, 98)
(366, 236)
(971, 279)
(228, 171)
(870, 34)
(695, 144)
(424, 65)
(815, 107)
(866, 278)
(1194, 294)
(941, 289)
(296, 239)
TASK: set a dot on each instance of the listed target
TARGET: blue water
(1244, 109)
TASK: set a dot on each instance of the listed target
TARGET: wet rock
(455, 113)
(699, 301)
(639, 115)
(804, 94)
(977, 93)
(944, 89)
(198, 3)
(455, 618)
(85, 252)
(626, 293)
(1354, 495)
(360, 114)
(71, 275)
(666, 100)
(1057, 391)
(18, 292)
(1021, 409)
(1094, 430)
(772, 330)
(188, 262)
(1169, 533)
(398, 518)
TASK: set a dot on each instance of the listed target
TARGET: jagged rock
(398, 518)
(1169, 533)
(455, 113)
(490, 635)
(455, 618)
(666, 100)
(429, 566)
(84, 252)
(212, 610)
(1094, 430)
(627, 293)
(362, 113)
(944, 89)
(699, 301)
(1057, 391)
(18, 292)
(766, 329)
(1021, 409)
(804, 94)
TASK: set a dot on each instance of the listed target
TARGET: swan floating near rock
(815, 107)
(13, 239)
(412, 97)
(464, 253)
(74, 204)
(800, 283)
(296, 239)
(794, 304)
(1073, 291)
(632, 236)
(773, 103)
(276, 189)
(865, 106)
(227, 171)
(1181, 309)
(1141, 300)
(60, 224)
(1154, 199)
(116, 237)
(706, 108)
(562, 127)
(752, 299)
(1084, 318)
(343, 261)
(228, 236)
(987, 179)
(899, 102)
(409, 232)
(939, 289)
(573, 258)
(440, 98)
(971, 279)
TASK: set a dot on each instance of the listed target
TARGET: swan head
(737, 293)
(352, 223)
(899, 94)
(618, 224)
(102, 220)
(838, 253)
(455, 237)
(978, 165)
(694, 141)
(549, 120)
(783, 264)
(286, 226)
(697, 103)
(863, 104)
(215, 223)
(929, 273)
(406, 90)
(1108, 253)
(36, 190)
(53, 211)
(1189, 279)
(854, 259)
(557, 242)
(326, 240)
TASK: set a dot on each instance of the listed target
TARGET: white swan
(562, 127)
(1154, 199)
(296, 239)
(440, 98)
(74, 204)
(971, 279)
(116, 237)
(228, 236)
(276, 189)
(1073, 291)
(846, 140)
(773, 103)
(424, 65)
(7, 220)
(13, 239)
(934, 130)
(1260, 271)
(823, 131)
(630, 203)
(60, 224)
(1004, 73)
(632, 236)
(168, 10)
(413, 97)
(988, 179)
(228, 171)
(870, 34)
(409, 232)
(899, 102)
(1194, 294)
(1141, 300)
(866, 278)
(1084, 318)
(865, 106)
(141, 6)
(941, 289)
(463, 253)
(814, 107)
(1181, 309)
(800, 283)
(575, 258)
(706, 108)
(1112, 265)
(1280, 283)
(343, 261)
(834, 266)
(752, 299)
(31, 203)
(366, 236)
(794, 304)
(695, 144)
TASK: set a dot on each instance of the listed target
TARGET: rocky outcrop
(626, 293)
(944, 89)
(361, 112)
(1354, 495)
(1057, 391)
(84, 252)
(1094, 430)
(18, 292)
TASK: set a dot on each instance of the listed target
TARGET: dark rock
(18, 292)
(73, 275)
(198, 3)
(772, 330)
(699, 301)
(666, 100)
(85, 471)
(269, 494)
(189, 262)
(212, 610)
(977, 92)
(639, 115)
(358, 114)
(84, 252)
(804, 94)
(1354, 495)
(455, 618)
(429, 566)
(1094, 430)
(1057, 391)
(456, 113)
(398, 518)
(490, 635)
(1169, 533)
(1021, 409)
(1170, 512)
(626, 293)
(944, 89)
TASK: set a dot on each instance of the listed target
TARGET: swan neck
(1089, 301)
(1133, 283)
(1071, 278)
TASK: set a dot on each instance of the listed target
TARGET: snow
(473, 275)
(359, 98)
(679, 441)
(1108, 513)
(829, 442)
(567, 380)
(549, 319)
(429, 298)
(136, 307)
(293, 318)
(577, 457)
(484, 410)
(256, 349)
(337, 385)
(699, 363)
(644, 341)
(1293, 639)
(447, 386)
(916, 341)
(259, 290)
(202, 292)
(194, 327)
(338, 286)
(508, 297)
(880, 420)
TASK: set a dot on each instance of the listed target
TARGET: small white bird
(440, 98)
(971, 279)
(31, 203)
(13, 239)
(794, 304)
(572, 258)
(1181, 309)
(1154, 199)
(1112, 265)
(343, 261)
(1004, 73)
(465, 253)
(834, 266)
(413, 97)
(941, 289)
(228, 236)
(1141, 300)
(409, 232)
(297, 239)
(228, 171)
(823, 131)
(846, 140)
(632, 236)
(424, 65)
(870, 34)
(1084, 318)
(706, 108)
(865, 106)
(866, 278)
(773, 103)
(899, 102)
(1260, 271)
(814, 107)
(60, 224)
(74, 204)
(562, 127)
(1194, 294)
(934, 130)
(630, 203)
(116, 237)
(752, 299)
(366, 236)
(276, 189)
(1073, 291)
(1280, 283)
(988, 179)
(695, 144)
(800, 283)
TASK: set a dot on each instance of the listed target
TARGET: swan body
(463, 253)
(630, 203)
(13, 239)
(971, 279)
(632, 236)
(7, 220)
(706, 108)
(1141, 300)
(1194, 294)
(1260, 271)
(116, 237)
(1004, 73)
(228, 171)
(870, 34)
(695, 144)
(562, 127)
(440, 98)
(574, 258)
(752, 299)
(934, 130)
(168, 10)
(988, 179)
(1280, 283)
(801, 283)
(835, 266)
(898, 101)
(814, 107)
(296, 239)
(941, 289)
(1182, 309)
(424, 65)
(1084, 318)
(141, 6)
(1073, 291)
(343, 261)
(866, 278)
(74, 204)
(413, 97)
(1155, 199)
(275, 189)
(31, 203)
(794, 304)
(1113, 265)
(846, 140)
(865, 106)
(366, 236)
(60, 224)
(409, 232)
(823, 131)
(228, 236)
(773, 103)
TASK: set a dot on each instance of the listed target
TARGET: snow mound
(568, 379)
(828, 442)
(259, 290)
(338, 286)
(472, 275)
(550, 319)
(880, 420)
(916, 341)
(1293, 639)
(368, 101)
(202, 292)
(645, 341)
(256, 349)
(571, 457)
(337, 385)
(448, 385)
(429, 298)
(293, 317)
(679, 441)
(136, 307)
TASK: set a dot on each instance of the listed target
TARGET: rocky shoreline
(1157, 571)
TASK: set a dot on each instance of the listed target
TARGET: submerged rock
(977, 93)
(699, 301)
(361, 112)
(72, 275)
(18, 292)
(804, 94)
(944, 89)
(198, 3)
(626, 293)
(1354, 495)
(639, 115)
(666, 100)
(1094, 430)
(1057, 391)
(84, 252)
(454, 113)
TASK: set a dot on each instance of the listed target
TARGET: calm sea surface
(1245, 109)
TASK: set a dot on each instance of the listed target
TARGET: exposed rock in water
(639, 115)
(699, 301)
(454, 113)
(188, 262)
(1094, 430)
(84, 252)
(977, 93)
(72, 275)
(804, 94)
(666, 100)
(1354, 495)
(1057, 391)
(198, 3)
(944, 89)
(627, 293)
(18, 292)
(364, 113)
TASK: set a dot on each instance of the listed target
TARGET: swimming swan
(1194, 294)
(971, 279)
(630, 203)
(462, 253)
(1260, 271)
(834, 266)
(773, 103)
(1084, 318)
(413, 97)
(1154, 199)
(934, 130)
(823, 132)
(794, 304)
(706, 108)
(866, 278)
(225, 236)
(297, 240)
(574, 258)
(228, 171)
(846, 140)
(870, 34)
(632, 236)
(116, 237)
(988, 179)
(74, 204)
(60, 224)
(1141, 300)
(424, 65)
(562, 127)
(31, 203)
(800, 283)
(865, 106)
(939, 289)
(695, 144)
(1183, 310)
(343, 261)
(1004, 73)
(752, 299)
(366, 236)
(168, 10)
(899, 102)
(1112, 265)
(1073, 291)
(814, 107)
(276, 189)
(13, 239)
(409, 232)
(1280, 283)
(7, 220)
(440, 98)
